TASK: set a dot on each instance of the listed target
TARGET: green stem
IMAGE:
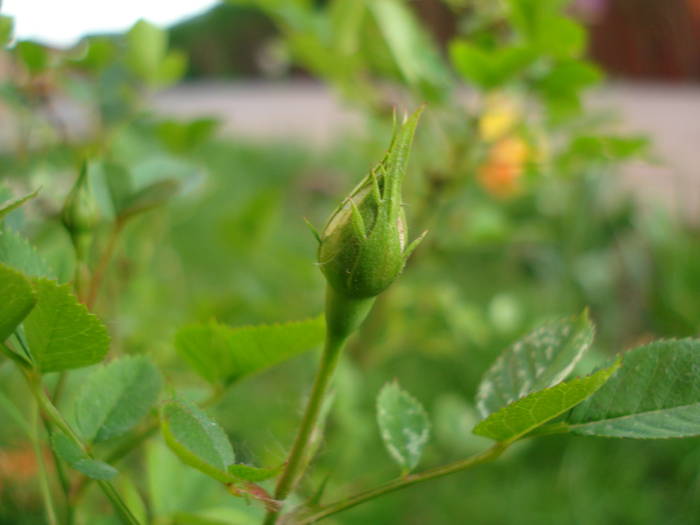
(55, 417)
(43, 473)
(293, 468)
(343, 316)
(391, 486)
(62, 479)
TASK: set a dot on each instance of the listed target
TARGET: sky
(63, 22)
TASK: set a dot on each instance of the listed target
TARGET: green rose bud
(363, 249)
(80, 214)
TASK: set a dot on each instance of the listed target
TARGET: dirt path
(308, 112)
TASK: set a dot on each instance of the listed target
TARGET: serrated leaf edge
(611, 370)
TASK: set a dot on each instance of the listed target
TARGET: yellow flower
(499, 118)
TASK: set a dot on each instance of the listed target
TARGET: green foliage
(526, 414)
(116, 397)
(17, 252)
(250, 473)
(224, 355)
(19, 299)
(515, 187)
(8, 207)
(78, 459)
(147, 46)
(184, 137)
(148, 57)
(403, 424)
(6, 27)
(411, 47)
(61, 333)
(655, 394)
(33, 56)
(489, 68)
(541, 359)
(197, 440)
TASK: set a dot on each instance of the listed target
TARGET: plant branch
(333, 508)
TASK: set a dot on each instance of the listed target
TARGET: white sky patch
(62, 23)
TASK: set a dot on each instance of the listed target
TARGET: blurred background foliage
(514, 178)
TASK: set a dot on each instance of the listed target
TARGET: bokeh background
(556, 168)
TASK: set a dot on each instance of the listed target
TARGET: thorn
(414, 244)
(313, 229)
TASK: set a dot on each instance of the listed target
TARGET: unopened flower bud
(80, 214)
(363, 249)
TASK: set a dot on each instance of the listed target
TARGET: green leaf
(34, 56)
(7, 207)
(119, 185)
(222, 354)
(197, 439)
(403, 424)
(115, 397)
(412, 49)
(171, 69)
(489, 68)
(150, 197)
(526, 414)
(252, 474)
(15, 251)
(71, 453)
(560, 37)
(61, 333)
(541, 359)
(147, 45)
(18, 299)
(99, 53)
(6, 26)
(655, 394)
(182, 137)
(563, 83)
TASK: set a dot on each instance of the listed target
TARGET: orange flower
(501, 173)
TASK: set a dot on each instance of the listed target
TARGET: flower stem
(295, 462)
(400, 483)
(343, 316)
